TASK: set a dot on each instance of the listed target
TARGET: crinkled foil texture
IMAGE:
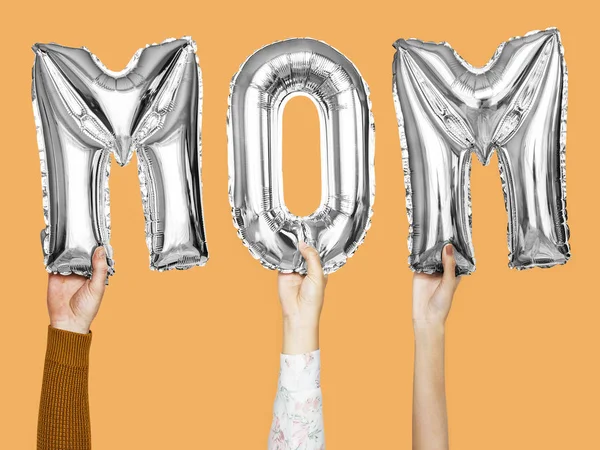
(303, 69)
(560, 218)
(151, 123)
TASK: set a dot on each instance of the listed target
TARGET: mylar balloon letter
(259, 92)
(447, 110)
(84, 113)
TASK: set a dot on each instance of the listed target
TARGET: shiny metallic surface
(85, 113)
(258, 94)
(447, 110)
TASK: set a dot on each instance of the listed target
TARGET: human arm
(432, 299)
(297, 412)
(73, 302)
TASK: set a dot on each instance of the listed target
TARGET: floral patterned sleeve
(297, 413)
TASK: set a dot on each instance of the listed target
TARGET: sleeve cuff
(300, 372)
(67, 348)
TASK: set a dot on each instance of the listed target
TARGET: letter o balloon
(259, 91)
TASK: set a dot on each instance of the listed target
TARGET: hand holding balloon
(432, 294)
(73, 300)
(301, 298)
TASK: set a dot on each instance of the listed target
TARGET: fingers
(99, 271)
(313, 263)
(449, 280)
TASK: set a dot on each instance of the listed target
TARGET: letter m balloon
(447, 110)
(84, 113)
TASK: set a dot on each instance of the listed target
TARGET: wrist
(299, 339)
(70, 326)
(301, 318)
(299, 323)
(425, 330)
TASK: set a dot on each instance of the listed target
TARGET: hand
(432, 294)
(73, 300)
(301, 298)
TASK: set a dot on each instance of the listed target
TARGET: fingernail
(101, 253)
(302, 245)
(449, 250)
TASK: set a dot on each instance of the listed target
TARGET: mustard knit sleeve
(64, 417)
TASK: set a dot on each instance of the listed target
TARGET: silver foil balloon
(447, 110)
(259, 91)
(83, 114)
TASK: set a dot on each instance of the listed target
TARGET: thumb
(99, 271)
(449, 263)
(314, 271)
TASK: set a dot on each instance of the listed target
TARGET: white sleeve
(298, 413)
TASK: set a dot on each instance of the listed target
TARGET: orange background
(184, 360)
